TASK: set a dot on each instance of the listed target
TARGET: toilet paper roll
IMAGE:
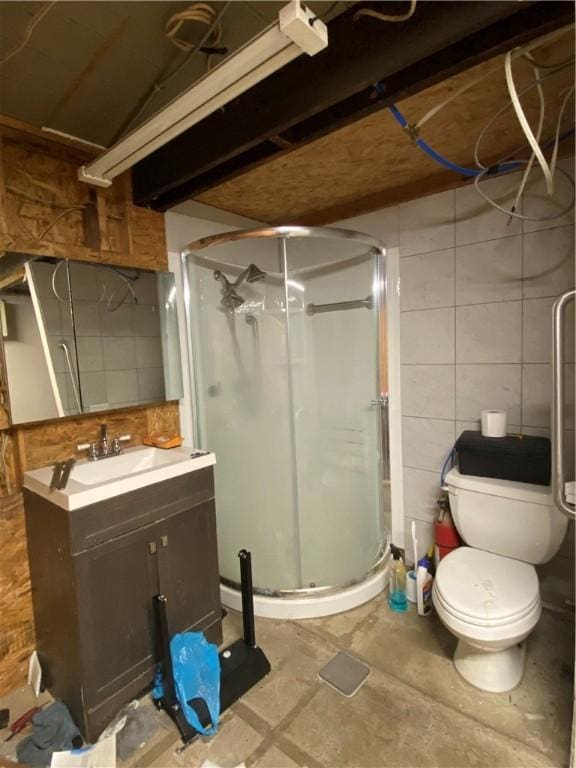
(493, 423)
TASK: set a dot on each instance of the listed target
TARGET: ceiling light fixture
(297, 31)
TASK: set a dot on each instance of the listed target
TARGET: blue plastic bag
(196, 667)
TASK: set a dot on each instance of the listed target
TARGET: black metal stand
(242, 664)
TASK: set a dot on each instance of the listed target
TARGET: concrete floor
(414, 710)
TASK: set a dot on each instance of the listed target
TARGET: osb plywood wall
(45, 210)
(373, 163)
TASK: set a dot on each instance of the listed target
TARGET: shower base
(306, 604)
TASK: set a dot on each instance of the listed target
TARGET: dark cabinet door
(115, 586)
(188, 568)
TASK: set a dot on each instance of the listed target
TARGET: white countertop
(93, 481)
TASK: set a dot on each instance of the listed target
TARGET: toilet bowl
(491, 603)
(487, 593)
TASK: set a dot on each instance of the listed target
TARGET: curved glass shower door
(286, 360)
(332, 295)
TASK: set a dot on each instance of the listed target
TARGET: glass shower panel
(243, 408)
(337, 419)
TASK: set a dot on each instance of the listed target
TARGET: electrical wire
(491, 70)
(32, 24)
(557, 139)
(482, 175)
(386, 16)
(128, 279)
(542, 113)
(199, 13)
(525, 125)
(163, 81)
(497, 114)
(55, 271)
(56, 219)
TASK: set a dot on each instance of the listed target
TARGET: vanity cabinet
(94, 572)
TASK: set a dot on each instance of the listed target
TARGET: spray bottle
(424, 583)
(397, 595)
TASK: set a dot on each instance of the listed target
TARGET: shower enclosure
(287, 338)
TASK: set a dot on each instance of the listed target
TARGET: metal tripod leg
(170, 702)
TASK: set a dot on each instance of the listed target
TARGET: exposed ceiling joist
(310, 98)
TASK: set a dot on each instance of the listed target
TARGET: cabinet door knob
(152, 547)
(164, 541)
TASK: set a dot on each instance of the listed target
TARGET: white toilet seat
(488, 600)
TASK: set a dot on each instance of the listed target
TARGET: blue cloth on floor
(53, 730)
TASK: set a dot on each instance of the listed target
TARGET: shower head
(255, 274)
(252, 274)
(231, 299)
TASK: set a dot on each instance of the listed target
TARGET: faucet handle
(90, 447)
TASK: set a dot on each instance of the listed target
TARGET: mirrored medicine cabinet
(80, 337)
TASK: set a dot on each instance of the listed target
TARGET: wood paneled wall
(45, 210)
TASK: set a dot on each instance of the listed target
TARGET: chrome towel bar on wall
(558, 427)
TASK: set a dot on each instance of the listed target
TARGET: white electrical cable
(554, 158)
(485, 173)
(515, 54)
(520, 114)
(541, 116)
(386, 16)
(503, 109)
(32, 24)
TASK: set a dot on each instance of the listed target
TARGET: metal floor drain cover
(344, 673)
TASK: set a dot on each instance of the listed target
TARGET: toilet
(487, 593)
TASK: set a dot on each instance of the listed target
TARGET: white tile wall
(427, 280)
(489, 333)
(427, 336)
(426, 442)
(476, 292)
(548, 262)
(489, 271)
(488, 386)
(427, 224)
(476, 221)
(428, 391)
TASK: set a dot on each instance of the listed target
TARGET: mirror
(80, 337)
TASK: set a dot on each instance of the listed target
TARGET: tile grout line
(334, 641)
(274, 735)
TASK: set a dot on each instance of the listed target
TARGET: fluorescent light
(297, 30)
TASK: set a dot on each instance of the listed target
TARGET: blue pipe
(504, 168)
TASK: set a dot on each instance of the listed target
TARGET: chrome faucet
(104, 449)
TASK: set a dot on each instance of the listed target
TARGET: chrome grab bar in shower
(558, 481)
(66, 349)
(336, 306)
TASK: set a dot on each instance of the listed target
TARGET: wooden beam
(441, 181)
(20, 126)
(314, 96)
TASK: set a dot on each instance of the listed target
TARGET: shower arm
(241, 277)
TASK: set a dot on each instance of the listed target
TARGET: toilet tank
(512, 519)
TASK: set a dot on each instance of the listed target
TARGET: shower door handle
(383, 406)
(558, 480)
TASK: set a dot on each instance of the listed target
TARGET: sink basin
(140, 460)
(93, 481)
